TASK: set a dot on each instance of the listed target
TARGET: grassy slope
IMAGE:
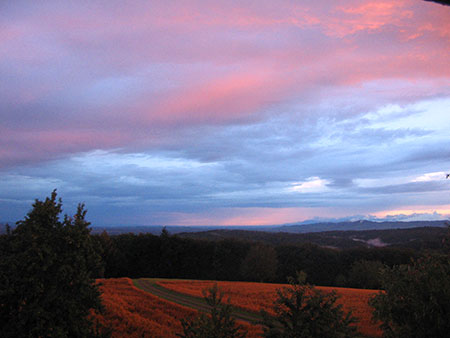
(198, 303)
(249, 298)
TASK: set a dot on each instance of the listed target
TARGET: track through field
(150, 285)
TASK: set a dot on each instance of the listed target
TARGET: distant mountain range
(357, 225)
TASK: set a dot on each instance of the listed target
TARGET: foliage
(321, 265)
(302, 311)
(106, 250)
(260, 264)
(420, 234)
(365, 274)
(227, 257)
(46, 288)
(218, 324)
(173, 256)
(416, 299)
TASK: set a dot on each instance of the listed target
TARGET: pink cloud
(30, 145)
(251, 216)
(221, 100)
(443, 209)
(353, 17)
(254, 57)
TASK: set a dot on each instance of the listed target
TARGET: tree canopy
(46, 284)
(260, 263)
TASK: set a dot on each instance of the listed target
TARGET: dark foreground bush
(416, 299)
(218, 324)
(303, 311)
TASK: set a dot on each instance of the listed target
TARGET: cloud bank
(225, 113)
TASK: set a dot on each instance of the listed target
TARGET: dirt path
(197, 303)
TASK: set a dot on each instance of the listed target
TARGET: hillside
(417, 238)
(304, 227)
(297, 228)
(358, 225)
(133, 310)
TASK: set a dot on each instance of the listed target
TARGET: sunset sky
(225, 112)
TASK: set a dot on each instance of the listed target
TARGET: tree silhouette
(218, 324)
(302, 311)
(46, 285)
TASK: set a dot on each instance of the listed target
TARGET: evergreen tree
(46, 287)
(302, 311)
(219, 324)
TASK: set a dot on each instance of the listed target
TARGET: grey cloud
(341, 183)
(437, 153)
(412, 187)
(381, 136)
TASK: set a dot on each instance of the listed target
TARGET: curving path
(150, 285)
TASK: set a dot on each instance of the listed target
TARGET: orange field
(131, 312)
(257, 296)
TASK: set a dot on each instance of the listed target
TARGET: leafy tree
(416, 299)
(260, 264)
(302, 311)
(107, 250)
(218, 324)
(227, 257)
(365, 274)
(46, 287)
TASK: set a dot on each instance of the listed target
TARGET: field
(132, 312)
(257, 296)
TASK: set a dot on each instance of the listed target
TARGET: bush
(416, 299)
(218, 324)
(302, 311)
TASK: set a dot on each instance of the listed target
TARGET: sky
(226, 112)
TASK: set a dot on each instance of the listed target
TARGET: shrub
(416, 299)
(302, 311)
(218, 324)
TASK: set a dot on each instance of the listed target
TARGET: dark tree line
(147, 255)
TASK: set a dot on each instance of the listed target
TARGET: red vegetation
(258, 296)
(131, 312)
